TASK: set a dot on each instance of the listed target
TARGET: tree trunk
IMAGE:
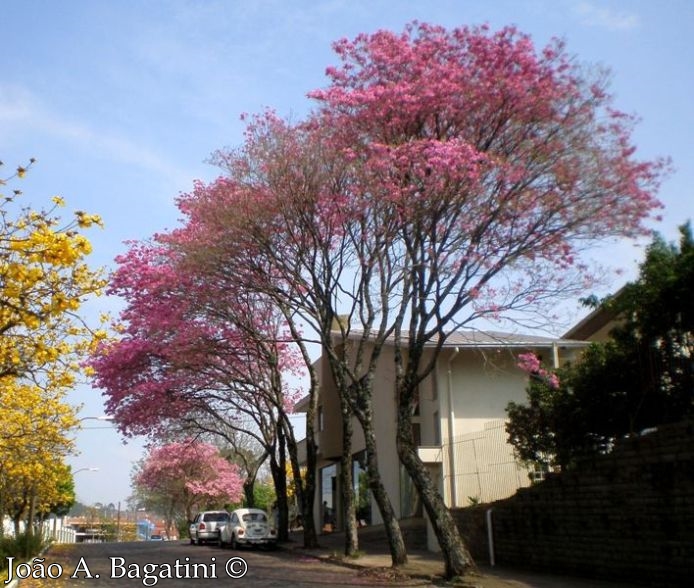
(32, 514)
(396, 543)
(19, 509)
(456, 556)
(349, 509)
(355, 399)
(281, 487)
(170, 518)
(307, 519)
(305, 488)
(248, 491)
(308, 492)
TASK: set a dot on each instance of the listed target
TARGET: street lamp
(85, 470)
(103, 418)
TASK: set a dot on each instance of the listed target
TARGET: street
(177, 564)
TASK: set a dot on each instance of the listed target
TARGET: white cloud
(603, 17)
(21, 110)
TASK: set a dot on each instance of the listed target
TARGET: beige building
(595, 327)
(459, 425)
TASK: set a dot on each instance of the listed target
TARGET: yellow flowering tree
(291, 482)
(43, 281)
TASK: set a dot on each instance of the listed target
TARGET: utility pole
(118, 537)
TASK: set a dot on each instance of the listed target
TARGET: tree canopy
(642, 377)
(44, 278)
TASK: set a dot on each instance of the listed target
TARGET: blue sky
(122, 102)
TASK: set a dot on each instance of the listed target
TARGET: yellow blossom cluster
(33, 444)
(44, 279)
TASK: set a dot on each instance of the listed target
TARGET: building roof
(596, 320)
(476, 339)
(591, 324)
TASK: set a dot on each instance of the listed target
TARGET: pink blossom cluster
(530, 363)
(186, 342)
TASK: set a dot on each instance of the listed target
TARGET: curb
(15, 582)
(12, 584)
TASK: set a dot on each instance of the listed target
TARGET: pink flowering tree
(215, 241)
(183, 348)
(197, 359)
(497, 164)
(186, 476)
(284, 222)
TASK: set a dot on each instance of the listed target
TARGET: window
(538, 472)
(416, 434)
(321, 423)
(417, 402)
(328, 482)
(410, 504)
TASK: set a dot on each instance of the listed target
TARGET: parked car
(156, 537)
(205, 526)
(248, 526)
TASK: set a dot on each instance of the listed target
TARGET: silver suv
(205, 526)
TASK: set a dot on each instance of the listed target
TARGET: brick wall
(627, 516)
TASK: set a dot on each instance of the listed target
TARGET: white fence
(52, 530)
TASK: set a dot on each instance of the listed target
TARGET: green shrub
(22, 547)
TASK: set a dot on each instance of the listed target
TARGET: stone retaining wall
(627, 516)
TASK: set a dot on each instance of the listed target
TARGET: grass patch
(357, 554)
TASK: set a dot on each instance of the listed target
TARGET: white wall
(480, 383)
(480, 466)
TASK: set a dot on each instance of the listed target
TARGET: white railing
(51, 531)
(62, 535)
(485, 466)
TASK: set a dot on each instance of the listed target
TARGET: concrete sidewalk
(425, 567)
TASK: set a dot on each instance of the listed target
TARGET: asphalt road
(102, 565)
